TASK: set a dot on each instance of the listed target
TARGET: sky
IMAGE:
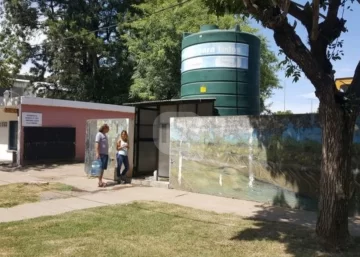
(299, 97)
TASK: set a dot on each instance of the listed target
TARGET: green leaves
(155, 44)
(82, 53)
(221, 7)
(335, 51)
(291, 68)
(13, 50)
(95, 60)
(287, 112)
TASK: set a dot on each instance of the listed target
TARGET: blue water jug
(96, 168)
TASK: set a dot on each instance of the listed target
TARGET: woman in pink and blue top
(122, 148)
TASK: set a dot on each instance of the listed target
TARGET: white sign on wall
(31, 119)
(220, 61)
(218, 48)
(193, 64)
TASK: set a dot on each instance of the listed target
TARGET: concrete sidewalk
(202, 202)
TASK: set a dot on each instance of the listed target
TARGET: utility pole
(311, 104)
(284, 96)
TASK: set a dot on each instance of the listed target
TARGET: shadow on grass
(137, 205)
(293, 229)
(296, 230)
(299, 241)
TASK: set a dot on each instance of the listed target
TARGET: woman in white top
(122, 147)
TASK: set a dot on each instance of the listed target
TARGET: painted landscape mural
(116, 126)
(270, 159)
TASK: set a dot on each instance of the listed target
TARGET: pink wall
(71, 117)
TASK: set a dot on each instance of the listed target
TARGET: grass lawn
(20, 193)
(155, 229)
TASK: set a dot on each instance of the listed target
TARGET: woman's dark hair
(103, 127)
(122, 132)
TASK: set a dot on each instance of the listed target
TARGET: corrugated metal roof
(169, 102)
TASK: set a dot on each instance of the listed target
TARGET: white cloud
(37, 38)
(309, 96)
(345, 70)
(25, 68)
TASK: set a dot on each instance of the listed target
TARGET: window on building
(13, 135)
(3, 124)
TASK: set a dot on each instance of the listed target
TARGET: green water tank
(225, 65)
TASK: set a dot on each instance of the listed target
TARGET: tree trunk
(337, 137)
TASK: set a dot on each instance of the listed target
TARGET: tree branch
(302, 7)
(302, 14)
(333, 9)
(299, 14)
(286, 6)
(332, 26)
(250, 6)
(287, 39)
(354, 88)
(315, 20)
(324, 33)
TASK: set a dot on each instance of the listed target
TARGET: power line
(115, 25)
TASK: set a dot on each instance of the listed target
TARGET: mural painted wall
(116, 126)
(270, 159)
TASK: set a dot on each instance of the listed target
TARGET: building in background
(49, 130)
(9, 100)
(343, 84)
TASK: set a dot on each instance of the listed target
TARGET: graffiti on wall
(92, 127)
(270, 159)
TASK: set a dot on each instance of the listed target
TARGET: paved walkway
(126, 194)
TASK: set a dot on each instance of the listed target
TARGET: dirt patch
(76, 192)
(8, 166)
(11, 167)
(20, 193)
